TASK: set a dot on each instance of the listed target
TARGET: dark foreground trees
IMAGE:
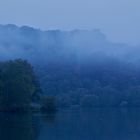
(17, 85)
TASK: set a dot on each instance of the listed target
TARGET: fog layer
(79, 67)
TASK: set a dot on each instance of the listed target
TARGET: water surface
(95, 124)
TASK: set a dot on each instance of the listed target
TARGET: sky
(118, 19)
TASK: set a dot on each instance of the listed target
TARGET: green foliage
(17, 85)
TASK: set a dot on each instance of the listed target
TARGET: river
(86, 124)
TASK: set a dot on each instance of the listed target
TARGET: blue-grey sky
(118, 19)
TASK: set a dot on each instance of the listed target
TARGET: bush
(48, 104)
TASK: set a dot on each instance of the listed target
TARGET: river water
(87, 124)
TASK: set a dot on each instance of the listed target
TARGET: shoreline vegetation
(20, 91)
(19, 88)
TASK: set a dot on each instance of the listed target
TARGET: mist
(79, 67)
(70, 69)
(56, 45)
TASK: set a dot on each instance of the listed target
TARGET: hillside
(79, 67)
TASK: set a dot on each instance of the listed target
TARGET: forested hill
(59, 46)
(79, 67)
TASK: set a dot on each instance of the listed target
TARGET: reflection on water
(17, 127)
(97, 124)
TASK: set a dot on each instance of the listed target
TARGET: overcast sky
(118, 19)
